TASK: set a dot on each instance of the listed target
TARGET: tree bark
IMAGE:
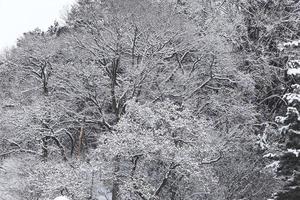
(116, 182)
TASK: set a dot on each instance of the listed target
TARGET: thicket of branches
(144, 99)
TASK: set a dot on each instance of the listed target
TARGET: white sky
(19, 16)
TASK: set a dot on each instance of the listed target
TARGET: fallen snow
(284, 45)
(293, 71)
(292, 64)
(294, 151)
(296, 88)
(270, 155)
(274, 165)
(292, 97)
(292, 43)
(62, 198)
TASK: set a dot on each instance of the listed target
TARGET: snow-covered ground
(62, 198)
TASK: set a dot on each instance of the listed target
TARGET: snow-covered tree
(288, 159)
(162, 151)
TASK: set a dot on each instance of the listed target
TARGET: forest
(154, 100)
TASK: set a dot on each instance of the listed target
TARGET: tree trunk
(114, 68)
(116, 181)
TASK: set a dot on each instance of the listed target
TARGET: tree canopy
(149, 99)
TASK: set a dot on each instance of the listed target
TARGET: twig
(272, 96)
(212, 161)
(165, 179)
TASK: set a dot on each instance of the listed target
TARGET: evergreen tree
(289, 162)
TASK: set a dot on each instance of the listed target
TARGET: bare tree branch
(165, 179)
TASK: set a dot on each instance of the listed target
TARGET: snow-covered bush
(160, 150)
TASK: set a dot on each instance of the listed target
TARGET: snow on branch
(62, 198)
(292, 44)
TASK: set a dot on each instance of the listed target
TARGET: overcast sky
(19, 16)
